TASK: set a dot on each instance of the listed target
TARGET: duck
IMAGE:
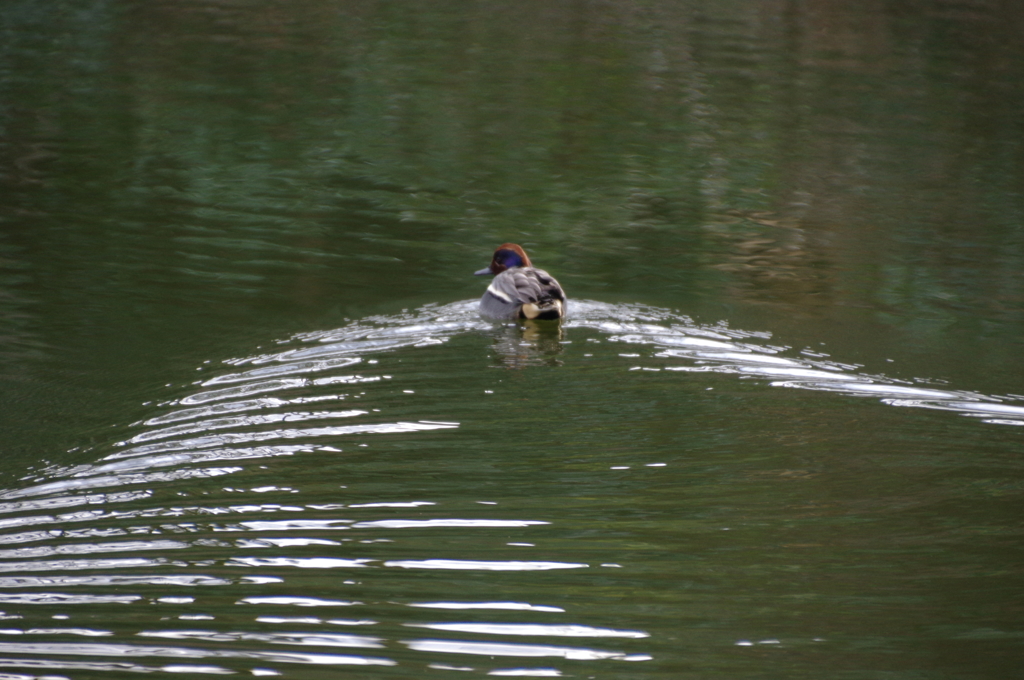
(519, 291)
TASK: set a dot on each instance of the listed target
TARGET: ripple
(121, 480)
(313, 620)
(225, 439)
(74, 565)
(536, 629)
(526, 672)
(244, 391)
(297, 524)
(86, 548)
(313, 639)
(185, 580)
(98, 667)
(514, 606)
(409, 504)
(242, 421)
(483, 565)
(223, 427)
(705, 348)
(421, 523)
(299, 562)
(65, 598)
(508, 649)
(71, 501)
(297, 601)
(277, 371)
(84, 632)
(72, 649)
(254, 410)
(218, 409)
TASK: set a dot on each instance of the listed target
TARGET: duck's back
(523, 292)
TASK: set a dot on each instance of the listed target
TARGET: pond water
(252, 423)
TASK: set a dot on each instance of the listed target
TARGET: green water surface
(250, 424)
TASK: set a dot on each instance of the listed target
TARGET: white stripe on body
(498, 294)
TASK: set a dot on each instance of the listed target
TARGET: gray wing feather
(536, 285)
(520, 286)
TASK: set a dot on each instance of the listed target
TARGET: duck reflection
(528, 343)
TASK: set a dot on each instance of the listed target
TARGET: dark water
(251, 423)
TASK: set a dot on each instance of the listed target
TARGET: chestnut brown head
(507, 256)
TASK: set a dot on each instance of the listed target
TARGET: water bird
(519, 291)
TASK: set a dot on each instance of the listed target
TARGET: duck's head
(507, 256)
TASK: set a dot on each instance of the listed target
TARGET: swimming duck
(519, 291)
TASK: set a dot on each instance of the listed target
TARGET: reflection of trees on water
(853, 154)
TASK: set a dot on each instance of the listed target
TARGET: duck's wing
(525, 284)
(543, 287)
(503, 298)
(532, 290)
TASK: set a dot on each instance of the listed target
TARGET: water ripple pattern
(216, 538)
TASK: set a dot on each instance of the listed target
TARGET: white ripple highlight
(514, 606)
(536, 629)
(242, 421)
(299, 562)
(508, 649)
(285, 369)
(423, 523)
(483, 565)
(297, 601)
(96, 649)
(230, 438)
(314, 639)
